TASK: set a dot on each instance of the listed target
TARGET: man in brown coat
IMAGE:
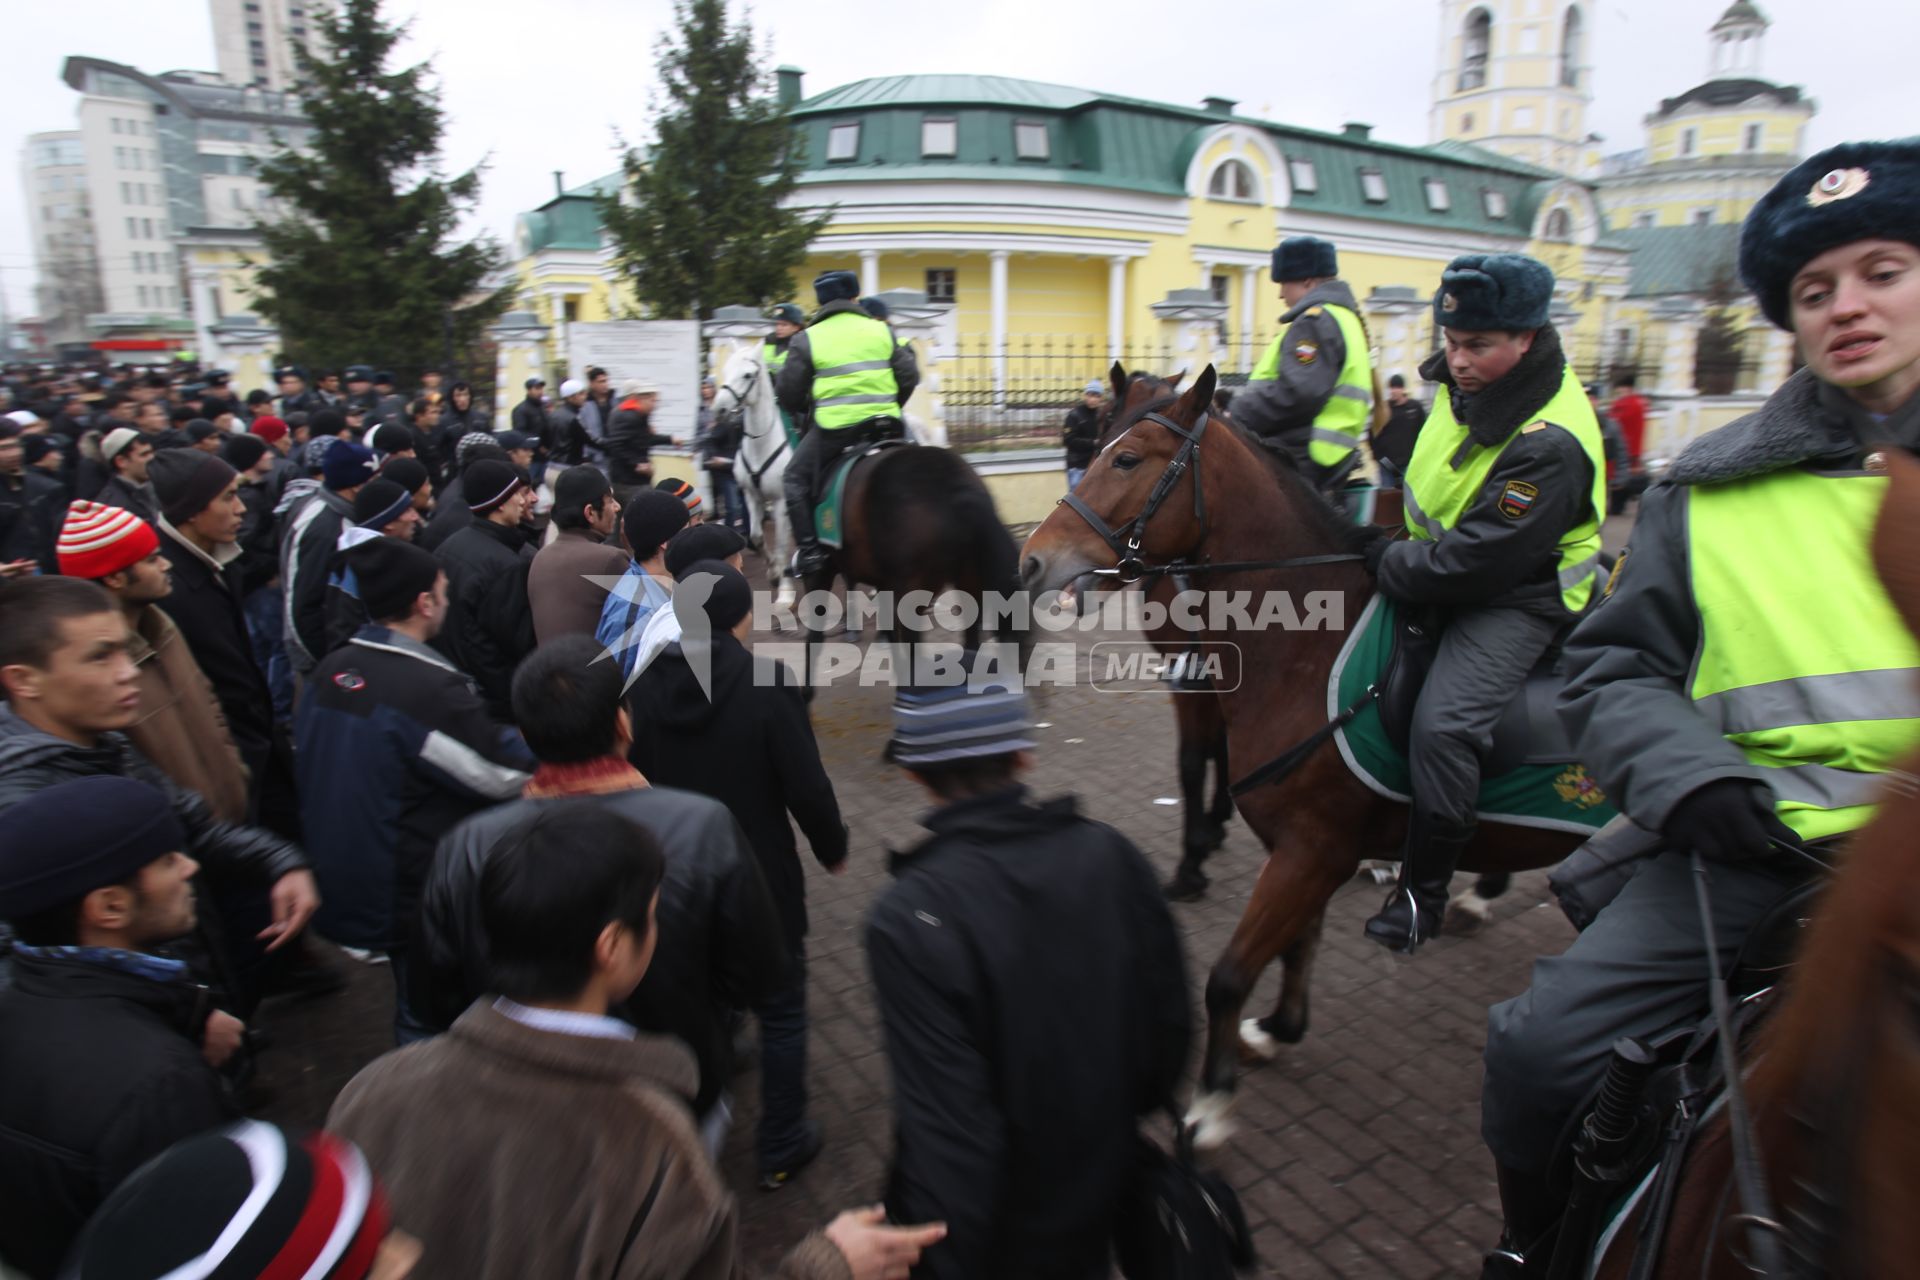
(541, 1137)
(179, 725)
(560, 584)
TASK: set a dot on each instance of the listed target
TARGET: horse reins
(1124, 542)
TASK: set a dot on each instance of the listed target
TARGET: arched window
(1559, 226)
(1232, 180)
(1570, 37)
(1476, 41)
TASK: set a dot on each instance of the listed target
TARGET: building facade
(53, 176)
(172, 187)
(254, 41)
(1046, 230)
(1515, 77)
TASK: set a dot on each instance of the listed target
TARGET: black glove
(1730, 820)
(1368, 541)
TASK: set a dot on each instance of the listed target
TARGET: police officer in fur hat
(1312, 394)
(848, 374)
(1504, 496)
(1778, 723)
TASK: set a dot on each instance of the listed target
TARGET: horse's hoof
(1467, 914)
(1256, 1046)
(1216, 836)
(1284, 1029)
(1209, 1119)
(1188, 884)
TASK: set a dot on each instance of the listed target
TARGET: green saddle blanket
(827, 523)
(1557, 797)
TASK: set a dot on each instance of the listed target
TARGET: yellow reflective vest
(852, 370)
(1342, 421)
(1803, 663)
(1445, 477)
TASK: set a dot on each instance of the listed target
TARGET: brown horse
(1835, 1093)
(1188, 487)
(919, 518)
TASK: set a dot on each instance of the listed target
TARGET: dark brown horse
(1201, 729)
(919, 518)
(1232, 501)
(1835, 1092)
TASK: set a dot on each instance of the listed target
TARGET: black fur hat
(1304, 258)
(1855, 191)
(1484, 291)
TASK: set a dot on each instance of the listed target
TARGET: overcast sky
(539, 85)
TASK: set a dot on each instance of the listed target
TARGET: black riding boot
(800, 484)
(1412, 912)
(1525, 1242)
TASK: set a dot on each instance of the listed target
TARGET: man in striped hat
(1020, 942)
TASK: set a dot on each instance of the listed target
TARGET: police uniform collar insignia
(1838, 184)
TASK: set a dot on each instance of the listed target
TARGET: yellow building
(1041, 230)
(1514, 77)
(1678, 201)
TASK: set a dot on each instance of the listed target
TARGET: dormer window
(843, 141)
(1373, 186)
(939, 136)
(1495, 203)
(1030, 141)
(1439, 199)
(1233, 180)
(1303, 176)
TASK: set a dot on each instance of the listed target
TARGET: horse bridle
(1124, 542)
(740, 404)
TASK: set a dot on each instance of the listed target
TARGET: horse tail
(997, 562)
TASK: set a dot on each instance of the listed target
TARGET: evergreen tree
(365, 267)
(705, 227)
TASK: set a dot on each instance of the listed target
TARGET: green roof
(1102, 140)
(1681, 260)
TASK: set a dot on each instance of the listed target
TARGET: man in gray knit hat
(1022, 942)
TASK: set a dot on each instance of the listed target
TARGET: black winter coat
(630, 438)
(259, 534)
(31, 761)
(751, 748)
(103, 1072)
(719, 949)
(1034, 997)
(205, 605)
(489, 626)
(1081, 435)
(33, 506)
(450, 515)
(308, 534)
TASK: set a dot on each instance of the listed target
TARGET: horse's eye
(1126, 461)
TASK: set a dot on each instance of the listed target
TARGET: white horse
(760, 462)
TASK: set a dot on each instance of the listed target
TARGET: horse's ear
(1194, 403)
(1119, 375)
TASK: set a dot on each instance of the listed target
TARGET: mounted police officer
(788, 319)
(1504, 496)
(1746, 679)
(1312, 393)
(848, 374)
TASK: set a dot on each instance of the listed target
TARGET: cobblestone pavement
(1359, 1150)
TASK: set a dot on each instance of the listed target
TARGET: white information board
(664, 352)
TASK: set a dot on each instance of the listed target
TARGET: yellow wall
(1724, 134)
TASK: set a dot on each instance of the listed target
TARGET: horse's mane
(1301, 494)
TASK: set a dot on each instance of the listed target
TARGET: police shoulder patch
(1306, 352)
(1517, 499)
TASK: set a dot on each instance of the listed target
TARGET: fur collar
(1515, 400)
(1804, 421)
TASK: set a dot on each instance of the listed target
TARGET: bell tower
(1516, 77)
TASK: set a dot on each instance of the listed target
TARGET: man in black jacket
(489, 625)
(720, 938)
(308, 537)
(1081, 433)
(108, 1048)
(630, 438)
(1034, 997)
(71, 689)
(742, 736)
(125, 454)
(32, 507)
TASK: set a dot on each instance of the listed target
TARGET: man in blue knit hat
(1312, 395)
(1504, 496)
(1746, 682)
(846, 373)
(1033, 992)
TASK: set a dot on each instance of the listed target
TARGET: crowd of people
(342, 677)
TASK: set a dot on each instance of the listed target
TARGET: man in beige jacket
(541, 1137)
(180, 726)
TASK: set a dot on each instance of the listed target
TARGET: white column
(562, 332)
(1680, 343)
(203, 293)
(1116, 307)
(869, 271)
(1249, 291)
(997, 333)
(1776, 359)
